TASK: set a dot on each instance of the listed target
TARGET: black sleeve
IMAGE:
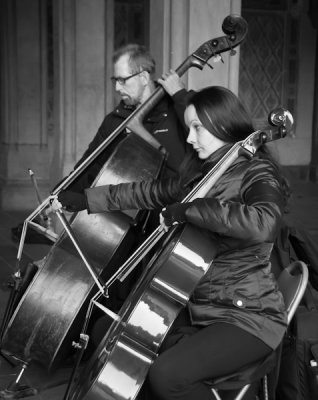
(256, 217)
(143, 195)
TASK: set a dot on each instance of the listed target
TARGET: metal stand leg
(16, 390)
(81, 346)
(15, 288)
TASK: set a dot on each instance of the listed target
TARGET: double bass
(50, 314)
(120, 364)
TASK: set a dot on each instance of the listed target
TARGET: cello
(120, 364)
(49, 314)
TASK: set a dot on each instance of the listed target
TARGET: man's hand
(171, 82)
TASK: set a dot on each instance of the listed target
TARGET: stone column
(51, 114)
(54, 93)
(82, 92)
(24, 133)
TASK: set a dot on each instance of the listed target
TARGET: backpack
(298, 370)
(298, 374)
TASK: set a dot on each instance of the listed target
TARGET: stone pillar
(50, 112)
(178, 28)
(82, 92)
(24, 133)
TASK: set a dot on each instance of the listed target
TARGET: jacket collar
(216, 157)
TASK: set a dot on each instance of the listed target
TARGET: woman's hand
(171, 82)
(55, 206)
(163, 226)
(173, 215)
(72, 201)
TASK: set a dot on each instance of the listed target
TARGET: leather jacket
(242, 214)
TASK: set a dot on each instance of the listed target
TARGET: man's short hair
(139, 58)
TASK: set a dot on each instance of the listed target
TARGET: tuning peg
(209, 65)
(218, 58)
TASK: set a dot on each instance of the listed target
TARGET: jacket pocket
(240, 301)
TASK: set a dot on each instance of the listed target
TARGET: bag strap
(314, 351)
(306, 250)
(308, 299)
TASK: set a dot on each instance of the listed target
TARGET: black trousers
(190, 355)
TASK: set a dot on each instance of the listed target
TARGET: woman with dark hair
(236, 314)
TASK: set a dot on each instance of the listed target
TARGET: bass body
(120, 364)
(51, 312)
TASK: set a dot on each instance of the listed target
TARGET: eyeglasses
(121, 80)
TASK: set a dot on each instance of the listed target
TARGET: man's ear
(145, 76)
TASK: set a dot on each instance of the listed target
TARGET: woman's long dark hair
(222, 113)
(224, 116)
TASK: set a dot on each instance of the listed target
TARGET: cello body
(120, 364)
(50, 314)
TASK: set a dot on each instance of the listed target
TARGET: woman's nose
(191, 137)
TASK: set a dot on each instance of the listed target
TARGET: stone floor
(52, 386)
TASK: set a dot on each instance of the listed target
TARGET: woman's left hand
(163, 226)
(55, 206)
(173, 215)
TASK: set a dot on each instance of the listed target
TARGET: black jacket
(164, 122)
(242, 214)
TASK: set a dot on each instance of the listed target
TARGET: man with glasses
(133, 81)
